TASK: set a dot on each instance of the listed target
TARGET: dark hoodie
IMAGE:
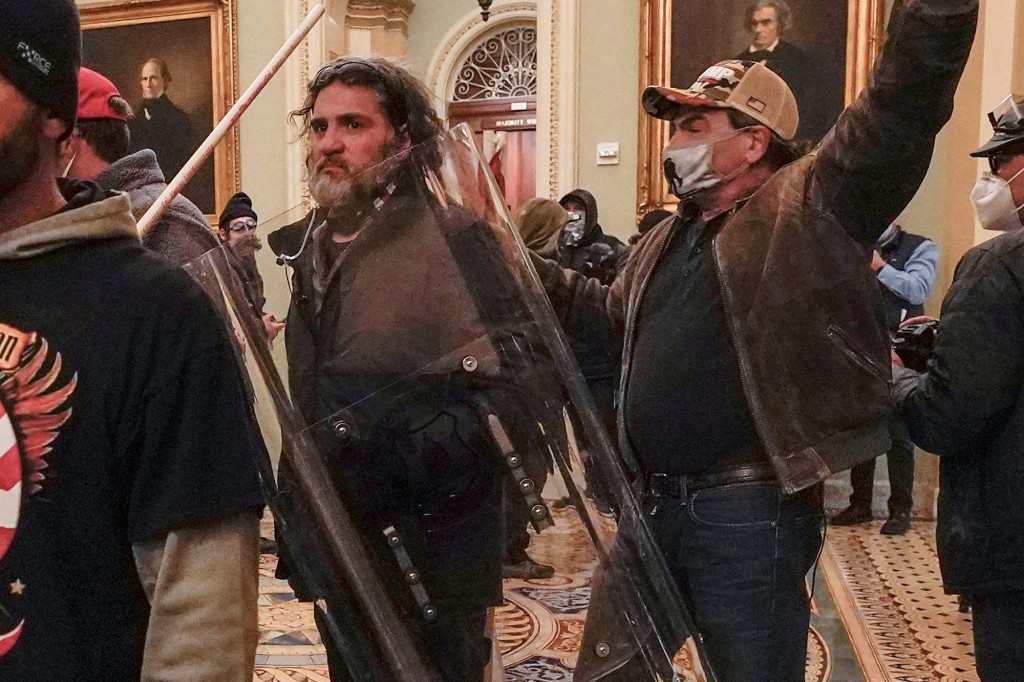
(181, 234)
(598, 255)
(596, 349)
(133, 455)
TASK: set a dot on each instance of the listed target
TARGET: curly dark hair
(782, 11)
(404, 101)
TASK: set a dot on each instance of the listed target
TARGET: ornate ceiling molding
(389, 15)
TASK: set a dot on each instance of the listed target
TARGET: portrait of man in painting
(804, 41)
(165, 71)
(159, 124)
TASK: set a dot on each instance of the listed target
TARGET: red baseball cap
(94, 95)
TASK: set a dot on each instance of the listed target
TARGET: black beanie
(651, 219)
(238, 206)
(40, 52)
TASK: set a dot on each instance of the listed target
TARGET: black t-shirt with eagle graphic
(122, 416)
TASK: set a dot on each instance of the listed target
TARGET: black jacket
(382, 346)
(896, 251)
(600, 256)
(968, 408)
(597, 255)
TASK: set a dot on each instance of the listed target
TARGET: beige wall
(608, 93)
(264, 130)
(428, 24)
(609, 72)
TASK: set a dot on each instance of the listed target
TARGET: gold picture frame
(864, 34)
(198, 41)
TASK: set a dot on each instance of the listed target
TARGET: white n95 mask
(993, 203)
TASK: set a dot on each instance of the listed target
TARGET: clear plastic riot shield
(434, 427)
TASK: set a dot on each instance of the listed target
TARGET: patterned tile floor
(879, 615)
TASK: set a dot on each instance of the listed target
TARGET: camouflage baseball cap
(750, 87)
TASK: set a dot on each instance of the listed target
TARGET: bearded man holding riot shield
(378, 296)
(424, 364)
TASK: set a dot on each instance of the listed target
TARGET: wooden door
(506, 130)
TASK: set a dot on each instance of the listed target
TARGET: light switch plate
(607, 153)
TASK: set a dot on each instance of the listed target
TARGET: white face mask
(688, 168)
(993, 203)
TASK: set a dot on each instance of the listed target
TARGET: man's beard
(249, 242)
(360, 188)
(19, 152)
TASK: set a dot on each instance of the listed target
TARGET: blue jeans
(740, 553)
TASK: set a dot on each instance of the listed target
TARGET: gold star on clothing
(18, 587)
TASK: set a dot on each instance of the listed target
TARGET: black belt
(678, 486)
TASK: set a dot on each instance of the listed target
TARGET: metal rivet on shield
(394, 541)
(342, 430)
(527, 485)
(469, 363)
(538, 511)
(429, 613)
(513, 461)
(602, 649)
(412, 576)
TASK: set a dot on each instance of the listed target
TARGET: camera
(914, 342)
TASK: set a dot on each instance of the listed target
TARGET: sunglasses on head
(329, 71)
(239, 225)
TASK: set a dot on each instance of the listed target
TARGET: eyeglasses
(238, 226)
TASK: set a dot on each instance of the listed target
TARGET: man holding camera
(968, 409)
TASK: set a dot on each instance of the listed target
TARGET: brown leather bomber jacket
(804, 312)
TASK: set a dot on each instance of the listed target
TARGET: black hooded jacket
(968, 408)
(598, 255)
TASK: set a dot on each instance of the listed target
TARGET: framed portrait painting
(175, 62)
(823, 49)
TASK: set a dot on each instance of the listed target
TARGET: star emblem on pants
(18, 587)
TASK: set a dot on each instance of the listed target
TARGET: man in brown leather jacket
(756, 355)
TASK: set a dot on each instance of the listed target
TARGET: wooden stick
(206, 148)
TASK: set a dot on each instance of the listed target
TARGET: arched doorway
(494, 90)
